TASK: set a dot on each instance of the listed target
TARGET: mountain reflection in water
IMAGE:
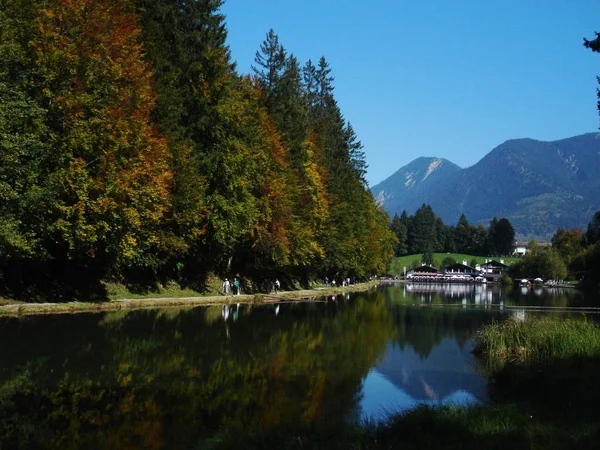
(169, 378)
(403, 380)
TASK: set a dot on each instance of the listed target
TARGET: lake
(170, 378)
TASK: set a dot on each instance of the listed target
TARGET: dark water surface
(169, 378)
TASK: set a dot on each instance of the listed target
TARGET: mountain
(538, 186)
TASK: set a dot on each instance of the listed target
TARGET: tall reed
(538, 339)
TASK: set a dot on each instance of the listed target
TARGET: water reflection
(169, 378)
(404, 379)
(487, 295)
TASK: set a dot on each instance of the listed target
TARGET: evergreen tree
(462, 235)
(422, 233)
(593, 229)
(399, 228)
(594, 45)
(270, 66)
(500, 237)
(186, 43)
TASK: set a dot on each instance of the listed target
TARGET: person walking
(226, 286)
(236, 285)
(277, 285)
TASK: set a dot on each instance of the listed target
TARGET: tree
(110, 170)
(23, 137)
(501, 236)
(448, 261)
(545, 263)
(593, 229)
(427, 258)
(551, 265)
(270, 65)
(399, 228)
(594, 45)
(568, 243)
(422, 231)
(462, 235)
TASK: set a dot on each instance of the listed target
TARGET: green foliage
(132, 150)
(500, 236)
(427, 258)
(422, 232)
(593, 230)
(594, 45)
(568, 243)
(448, 261)
(545, 263)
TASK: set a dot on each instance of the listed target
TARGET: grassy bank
(169, 297)
(398, 264)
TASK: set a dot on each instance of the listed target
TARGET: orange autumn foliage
(111, 172)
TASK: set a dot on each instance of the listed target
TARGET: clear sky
(445, 78)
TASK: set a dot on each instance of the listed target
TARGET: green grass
(171, 290)
(538, 339)
(397, 264)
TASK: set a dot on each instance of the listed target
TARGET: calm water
(168, 378)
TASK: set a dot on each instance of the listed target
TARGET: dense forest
(132, 150)
(573, 254)
(424, 232)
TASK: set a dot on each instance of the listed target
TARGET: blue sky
(445, 78)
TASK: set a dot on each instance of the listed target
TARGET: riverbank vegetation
(131, 150)
(538, 339)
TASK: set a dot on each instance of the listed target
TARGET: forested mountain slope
(539, 186)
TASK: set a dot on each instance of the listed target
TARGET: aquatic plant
(538, 339)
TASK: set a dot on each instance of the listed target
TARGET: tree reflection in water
(172, 377)
(164, 378)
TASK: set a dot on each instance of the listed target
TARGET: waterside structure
(457, 273)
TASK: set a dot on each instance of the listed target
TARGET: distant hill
(539, 186)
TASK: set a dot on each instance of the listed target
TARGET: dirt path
(22, 309)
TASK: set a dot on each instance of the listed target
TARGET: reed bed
(538, 339)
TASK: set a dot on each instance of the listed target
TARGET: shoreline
(29, 309)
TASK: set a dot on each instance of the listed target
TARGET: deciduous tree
(111, 169)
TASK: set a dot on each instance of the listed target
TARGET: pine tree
(270, 65)
(594, 45)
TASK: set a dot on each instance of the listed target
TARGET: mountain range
(539, 186)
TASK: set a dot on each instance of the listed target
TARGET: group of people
(345, 282)
(233, 287)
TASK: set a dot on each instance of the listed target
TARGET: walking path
(21, 309)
